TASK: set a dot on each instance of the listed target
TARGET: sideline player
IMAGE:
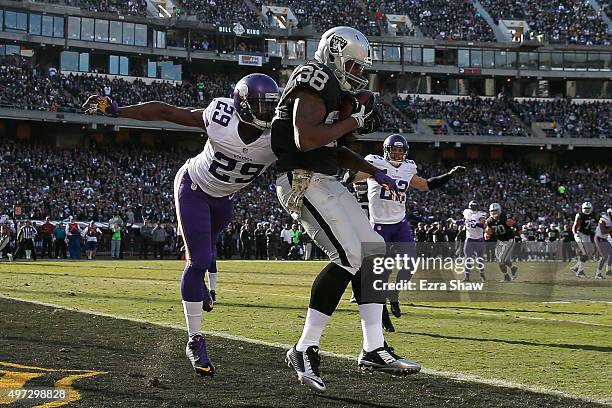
(583, 229)
(305, 135)
(388, 211)
(237, 150)
(502, 227)
(602, 235)
(474, 241)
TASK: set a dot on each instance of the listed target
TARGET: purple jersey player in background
(388, 210)
(236, 152)
(474, 246)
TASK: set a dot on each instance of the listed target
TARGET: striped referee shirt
(27, 233)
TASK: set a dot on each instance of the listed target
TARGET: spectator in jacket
(159, 236)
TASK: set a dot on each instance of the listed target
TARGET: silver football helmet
(587, 207)
(495, 209)
(343, 49)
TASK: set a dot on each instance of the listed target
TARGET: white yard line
(446, 374)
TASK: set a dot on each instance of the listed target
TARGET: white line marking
(440, 373)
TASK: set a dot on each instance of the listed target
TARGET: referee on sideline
(25, 240)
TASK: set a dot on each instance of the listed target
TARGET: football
(346, 109)
(346, 104)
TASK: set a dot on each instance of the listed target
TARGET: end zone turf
(550, 346)
(143, 365)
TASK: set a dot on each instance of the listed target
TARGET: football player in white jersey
(474, 236)
(238, 149)
(388, 210)
(602, 241)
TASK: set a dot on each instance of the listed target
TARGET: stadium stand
(568, 119)
(21, 87)
(448, 20)
(218, 12)
(466, 116)
(570, 22)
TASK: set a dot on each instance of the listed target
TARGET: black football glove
(361, 112)
(101, 104)
(372, 124)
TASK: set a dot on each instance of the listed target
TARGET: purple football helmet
(395, 141)
(473, 205)
(255, 99)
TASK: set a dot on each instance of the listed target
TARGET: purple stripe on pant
(474, 248)
(201, 218)
(399, 234)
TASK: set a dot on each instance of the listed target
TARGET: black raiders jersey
(361, 194)
(588, 223)
(320, 79)
(541, 236)
(501, 231)
(566, 236)
(530, 234)
(553, 234)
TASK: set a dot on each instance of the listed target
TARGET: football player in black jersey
(583, 229)
(502, 228)
(305, 137)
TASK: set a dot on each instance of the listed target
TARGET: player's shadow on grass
(585, 347)
(492, 309)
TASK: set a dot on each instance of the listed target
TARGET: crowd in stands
(101, 183)
(561, 21)
(530, 193)
(393, 120)
(593, 120)
(21, 87)
(324, 14)
(441, 19)
(219, 12)
(465, 116)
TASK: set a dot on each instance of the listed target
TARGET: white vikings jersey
(471, 219)
(385, 207)
(608, 222)
(227, 164)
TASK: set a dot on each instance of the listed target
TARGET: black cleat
(384, 359)
(514, 272)
(581, 274)
(386, 320)
(395, 309)
(306, 365)
(507, 278)
(213, 296)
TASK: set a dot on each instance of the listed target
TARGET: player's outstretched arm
(435, 182)
(146, 111)
(348, 159)
(310, 129)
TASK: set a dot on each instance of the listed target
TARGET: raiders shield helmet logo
(337, 44)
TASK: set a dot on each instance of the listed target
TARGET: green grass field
(564, 346)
